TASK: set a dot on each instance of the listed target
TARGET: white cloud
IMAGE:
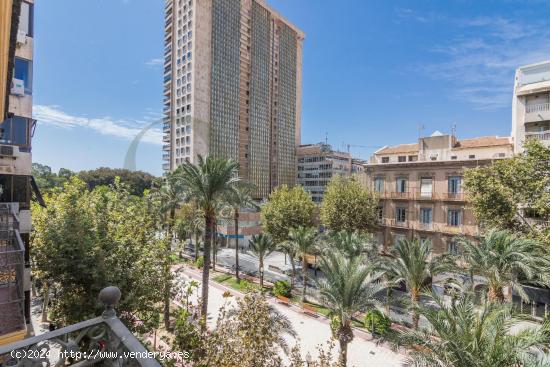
(54, 116)
(155, 62)
(481, 60)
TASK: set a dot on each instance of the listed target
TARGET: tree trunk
(197, 237)
(214, 245)
(236, 218)
(261, 273)
(168, 284)
(388, 301)
(45, 302)
(304, 276)
(206, 269)
(415, 316)
(293, 272)
(495, 294)
(343, 358)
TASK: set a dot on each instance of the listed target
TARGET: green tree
(352, 244)
(46, 179)
(208, 184)
(239, 199)
(287, 208)
(261, 246)
(499, 193)
(303, 239)
(348, 206)
(137, 181)
(505, 260)
(410, 264)
(167, 198)
(349, 286)
(86, 240)
(461, 335)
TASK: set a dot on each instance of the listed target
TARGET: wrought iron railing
(12, 268)
(103, 340)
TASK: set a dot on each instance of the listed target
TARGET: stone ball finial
(109, 296)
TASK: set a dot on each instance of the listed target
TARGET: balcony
(453, 196)
(400, 195)
(166, 138)
(425, 195)
(104, 340)
(466, 230)
(12, 275)
(540, 135)
(396, 223)
(428, 227)
(537, 112)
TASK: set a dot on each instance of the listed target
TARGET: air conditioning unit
(6, 150)
(21, 38)
(18, 87)
(433, 156)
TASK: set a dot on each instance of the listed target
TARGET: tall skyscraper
(232, 88)
(16, 183)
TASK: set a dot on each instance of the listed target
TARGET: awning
(36, 195)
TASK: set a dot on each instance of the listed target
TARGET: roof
(484, 141)
(403, 148)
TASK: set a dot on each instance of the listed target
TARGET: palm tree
(410, 264)
(303, 239)
(349, 286)
(241, 198)
(352, 244)
(168, 197)
(461, 335)
(290, 250)
(502, 258)
(207, 184)
(261, 246)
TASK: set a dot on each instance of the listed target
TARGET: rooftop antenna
(453, 130)
(420, 129)
(326, 137)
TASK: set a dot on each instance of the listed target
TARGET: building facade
(531, 105)
(420, 187)
(232, 88)
(16, 183)
(318, 163)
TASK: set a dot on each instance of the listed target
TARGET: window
(426, 186)
(426, 240)
(413, 158)
(455, 185)
(501, 155)
(385, 159)
(15, 189)
(14, 131)
(426, 215)
(452, 247)
(454, 157)
(402, 158)
(453, 217)
(23, 71)
(380, 211)
(26, 19)
(400, 215)
(472, 156)
(401, 185)
(379, 184)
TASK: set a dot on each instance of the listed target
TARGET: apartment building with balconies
(531, 105)
(420, 187)
(16, 183)
(232, 88)
(318, 163)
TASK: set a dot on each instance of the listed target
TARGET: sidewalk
(312, 331)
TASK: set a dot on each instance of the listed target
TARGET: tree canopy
(348, 206)
(86, 240)
(288, 208)
(506, 194)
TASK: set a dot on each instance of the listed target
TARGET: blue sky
(373, 72)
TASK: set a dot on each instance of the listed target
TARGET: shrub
(200, 262)
(282, 288)
(377, 319)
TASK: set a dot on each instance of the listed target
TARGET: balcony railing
(424, 226)
(541, 107)
(542, 135)
(12, 269)
(104, 340)
(453, 196)
(400, 195)
(395, 223)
